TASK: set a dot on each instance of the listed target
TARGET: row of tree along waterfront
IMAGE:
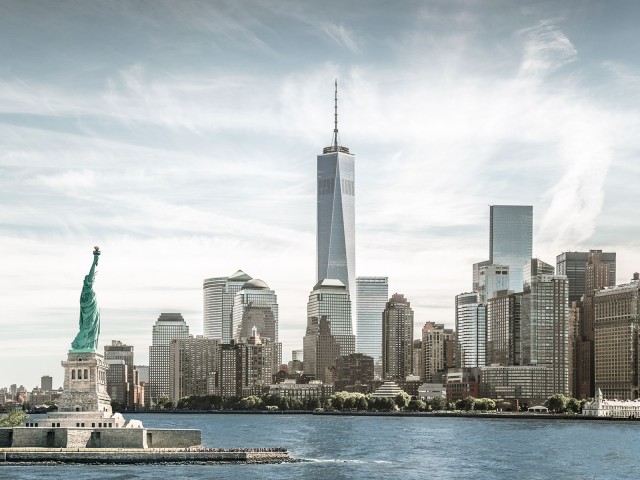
(348, 401)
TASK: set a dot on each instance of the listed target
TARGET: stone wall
(5, 437)
(169, 438)
(118, 438)
(39, 437)
(99, 438)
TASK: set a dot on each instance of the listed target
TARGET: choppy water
(388, 447)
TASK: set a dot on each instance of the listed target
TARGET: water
(389, 447)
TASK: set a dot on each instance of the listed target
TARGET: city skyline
(183, 141)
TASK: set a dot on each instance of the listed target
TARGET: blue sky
(181, 137)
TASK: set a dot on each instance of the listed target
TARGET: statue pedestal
(85, 384)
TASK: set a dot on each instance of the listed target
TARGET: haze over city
(182, 139)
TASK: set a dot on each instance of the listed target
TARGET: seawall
(150, 456)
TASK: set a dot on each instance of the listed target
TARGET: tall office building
(119, 351)
(599, 272)
(336, 245)
(437, 351)
(544, 327)
(330, 299)
(320, 348)
(191, 361)
(46, 383)
(218, 296)
(471, 328)
(617, 345)
(491, 279)
(371, 297)
(503, 328)
(255, 311)
(574, 266)
(511, 240)
(397, 338)
(169, 326)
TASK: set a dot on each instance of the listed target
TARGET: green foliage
(574, 405)
(484, 404)
(346, 401)
(13, 419)
(557, 403)
(466, 403)
(252, 402)
(436, 404)
(402, 399)
(417, 406)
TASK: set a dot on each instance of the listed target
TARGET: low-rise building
(600, 407)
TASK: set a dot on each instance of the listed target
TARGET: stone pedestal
(85, 384)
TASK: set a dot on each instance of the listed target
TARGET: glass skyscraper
(169, 326)
(511, 240)
(471, 328)
(330, 299)
(218, 295)
(371, 297)
(335, 243)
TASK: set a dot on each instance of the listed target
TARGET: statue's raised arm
(87, 338)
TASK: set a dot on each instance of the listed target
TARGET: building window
(73, 374)
(86, 374)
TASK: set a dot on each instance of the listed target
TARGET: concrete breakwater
(153, 455)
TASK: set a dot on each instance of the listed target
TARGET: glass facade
(471, 324)
(511, 240)
(255, 306)
(335, 243)
(169, 326)
(330, 299)
(372, 294)
(492, 279)
(218, 296)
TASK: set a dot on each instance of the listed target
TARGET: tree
(402, 399)
(556, 403)
(13, 419)
(466, 403)
(574, 405)
(483, 404)
(417, 406)
(436, 403)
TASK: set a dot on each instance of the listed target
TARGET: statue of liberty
(87, 338)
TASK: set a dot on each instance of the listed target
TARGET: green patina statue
(87, 338)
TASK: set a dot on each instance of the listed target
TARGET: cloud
(546, 49)
(341, 36)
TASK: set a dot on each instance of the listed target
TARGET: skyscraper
(471, 328)
(330, 299)
(511, 240)
(169, 326)
(255, 307)
(320, 347)
(574, 265)
(191, 361)
(492, 279)
(397, 338)
(371, 297)
(336, 247)
(617, 349)
(255, 295)
(218, 294)
(437, 351)
(544, 326)
(46, 383)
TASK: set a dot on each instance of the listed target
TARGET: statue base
(85, 384)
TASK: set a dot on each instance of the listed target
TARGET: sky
(181, 137)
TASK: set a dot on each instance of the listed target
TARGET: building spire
(335, 120)
(335, 142)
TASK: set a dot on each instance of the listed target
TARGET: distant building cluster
(525, 331)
